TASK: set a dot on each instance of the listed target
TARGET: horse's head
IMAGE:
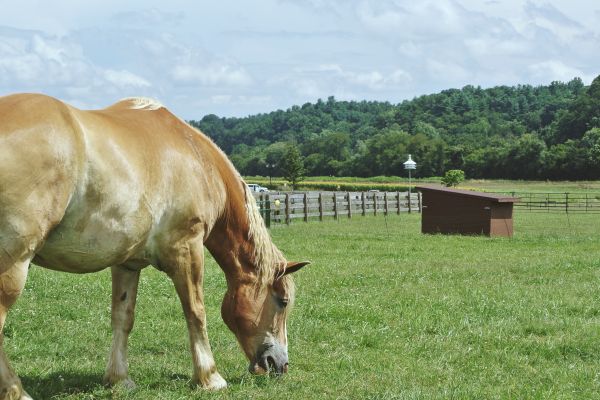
(256, 313)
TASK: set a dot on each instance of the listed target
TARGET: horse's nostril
(271, 363)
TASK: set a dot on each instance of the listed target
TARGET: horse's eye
(282, 302)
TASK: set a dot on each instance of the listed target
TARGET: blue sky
(235, 58)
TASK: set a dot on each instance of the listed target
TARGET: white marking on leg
(205, 369)
(117, 362)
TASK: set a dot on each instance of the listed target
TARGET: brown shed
(466, 212)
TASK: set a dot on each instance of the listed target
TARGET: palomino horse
(126, 187)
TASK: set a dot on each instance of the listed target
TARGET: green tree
(524, 158)
(292, 165)
(522, 132)
(583, 114)
(591, 142)
(453, 177)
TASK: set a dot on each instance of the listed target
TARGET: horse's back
(107, 186)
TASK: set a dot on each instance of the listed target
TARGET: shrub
(453, 177)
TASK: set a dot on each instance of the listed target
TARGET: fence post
(586, 203)
(364, 205)
(374, 203)
(287, 208)
(398, 202)
(349, 205)
(305, 207)
(408, 196)
(419, 202)
(335, 207)
(320, 206)
(268, 211)
(385, 203)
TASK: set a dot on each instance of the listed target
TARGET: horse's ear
(293, 266)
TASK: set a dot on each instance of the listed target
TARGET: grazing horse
(126, 187)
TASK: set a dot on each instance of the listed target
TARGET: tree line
(514, 132)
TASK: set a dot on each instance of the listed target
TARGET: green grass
(534, 186)
(382, 313)
(393, 183)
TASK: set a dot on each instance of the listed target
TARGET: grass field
(535, 186)
(393, 182)
(383, 313)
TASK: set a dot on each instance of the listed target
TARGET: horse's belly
(88, 243)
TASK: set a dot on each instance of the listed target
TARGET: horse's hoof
(25, 396)
(13, 392)
(214, 382)
(125, 383)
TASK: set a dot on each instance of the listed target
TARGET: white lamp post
(409, 165)
(270, 167)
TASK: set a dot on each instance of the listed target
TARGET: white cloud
(240, 100)
(276, 53)
(48, 50)
(555, 70)
(452, 73)
(125, 78)
(373, 80)
(398, 77)
(33, 61)
(424, 19)
(493, 47)
(221, 98)
(307, 88)
(38, 61)
(211, 75)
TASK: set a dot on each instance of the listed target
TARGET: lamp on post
(409, 165)
(269, 168)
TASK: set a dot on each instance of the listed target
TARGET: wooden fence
(558, 202)
(285, 207)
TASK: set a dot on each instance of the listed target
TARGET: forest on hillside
(514, 132)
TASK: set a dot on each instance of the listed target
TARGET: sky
(237, 58)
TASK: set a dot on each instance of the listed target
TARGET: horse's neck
(228, 242)
(242, 246)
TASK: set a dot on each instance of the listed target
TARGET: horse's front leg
(187, 275)
(124, 293)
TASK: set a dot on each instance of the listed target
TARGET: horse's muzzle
(272, 359)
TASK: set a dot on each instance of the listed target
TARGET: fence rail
(558, 202)
(285, 207)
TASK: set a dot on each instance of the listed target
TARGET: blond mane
(268, 259)
(143, 103)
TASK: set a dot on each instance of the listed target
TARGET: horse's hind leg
(12, 281)
(124, 293)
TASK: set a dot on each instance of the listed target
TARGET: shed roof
(493, 197)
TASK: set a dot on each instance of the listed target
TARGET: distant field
(535, 186)
(383, 313)
(477, 184)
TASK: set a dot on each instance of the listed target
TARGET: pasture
(383, 313)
